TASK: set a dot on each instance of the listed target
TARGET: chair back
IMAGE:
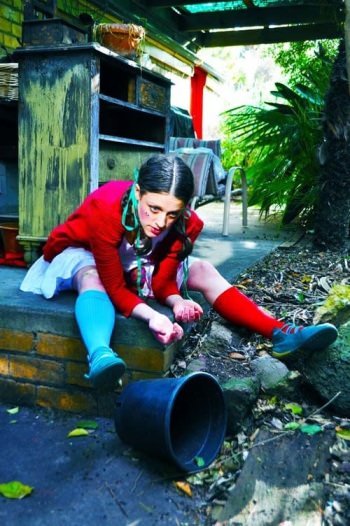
(189, 142)
(203, 159)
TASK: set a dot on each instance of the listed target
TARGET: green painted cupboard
(86, 115)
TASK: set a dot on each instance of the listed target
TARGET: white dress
(50, 278)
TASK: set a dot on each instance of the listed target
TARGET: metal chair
(212, 182)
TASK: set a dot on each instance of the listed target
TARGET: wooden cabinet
(86, 116)
(8, 160)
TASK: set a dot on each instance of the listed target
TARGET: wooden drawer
(117, 162)
(154, 96)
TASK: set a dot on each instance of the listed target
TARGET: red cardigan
(96, 226)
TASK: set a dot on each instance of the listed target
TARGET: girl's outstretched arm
(184, 310)
(162, 328)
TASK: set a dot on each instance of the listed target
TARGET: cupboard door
(56, 108)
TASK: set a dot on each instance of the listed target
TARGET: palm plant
(280, 141)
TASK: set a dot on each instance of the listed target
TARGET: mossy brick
(75, 374)
(16, 340)
(147, 358)
(10, 14)
(17, 4)
(5, 25)
(4, 364)
(15, 392)
(134, 375)
(70, 401)
(106, 405)
(61, 347)
(10, 42)
(37, 370)
(13, 4)
(16, 30)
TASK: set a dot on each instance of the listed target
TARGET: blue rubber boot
(95, 316)
(290, 338)
(105, 368)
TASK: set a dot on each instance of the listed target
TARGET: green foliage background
(277, 142)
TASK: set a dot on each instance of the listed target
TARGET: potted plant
(125, 39)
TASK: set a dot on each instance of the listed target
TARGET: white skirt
(49, 279)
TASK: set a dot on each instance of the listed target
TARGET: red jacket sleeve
(167, 257)
(106, 235)
(96, 226)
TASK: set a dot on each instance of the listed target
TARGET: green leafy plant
(279, 142)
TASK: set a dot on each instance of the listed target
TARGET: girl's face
(157, 211)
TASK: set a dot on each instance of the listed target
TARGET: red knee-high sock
(238, 309)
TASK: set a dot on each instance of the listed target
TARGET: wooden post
(347, 38)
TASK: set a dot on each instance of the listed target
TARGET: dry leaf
(237, 356)
(185, 487)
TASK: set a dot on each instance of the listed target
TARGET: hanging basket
(125, 39)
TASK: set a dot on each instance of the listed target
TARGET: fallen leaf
(273, 400)
(13, 411)
(15, 490)
(342, 433)
(300, 297)
(185, 487)
(306, 278)
(291, 426)
(148, 509)
(199, 461)
(296, 409)
(78, 432)
(276, 422)
(237, 356)
(310, 429)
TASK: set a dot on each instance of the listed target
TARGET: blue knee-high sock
(95, 316)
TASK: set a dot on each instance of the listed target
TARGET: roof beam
(168, 3)
(162, 26)
(261, 17)
(270, 35)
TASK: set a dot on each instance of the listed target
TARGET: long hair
(167, 174)
(164, 174)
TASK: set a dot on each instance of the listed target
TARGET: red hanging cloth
(197, 90)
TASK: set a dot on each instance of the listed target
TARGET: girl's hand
(163, 329)
(187, 310)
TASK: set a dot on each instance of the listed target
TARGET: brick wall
(11, 17)
(45, 369)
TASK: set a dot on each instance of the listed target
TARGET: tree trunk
(333, 211)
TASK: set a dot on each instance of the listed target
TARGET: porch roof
(197, 23)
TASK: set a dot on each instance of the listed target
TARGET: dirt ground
(290, 282)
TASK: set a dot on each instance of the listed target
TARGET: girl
(129, 241)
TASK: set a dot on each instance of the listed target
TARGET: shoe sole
(314, 343)
(107, 378)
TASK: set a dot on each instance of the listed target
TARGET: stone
(336, 307)
(288, 388)
(218, 339)
(240, 395)
(281, 482)
(328, 371)
(270, 371)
